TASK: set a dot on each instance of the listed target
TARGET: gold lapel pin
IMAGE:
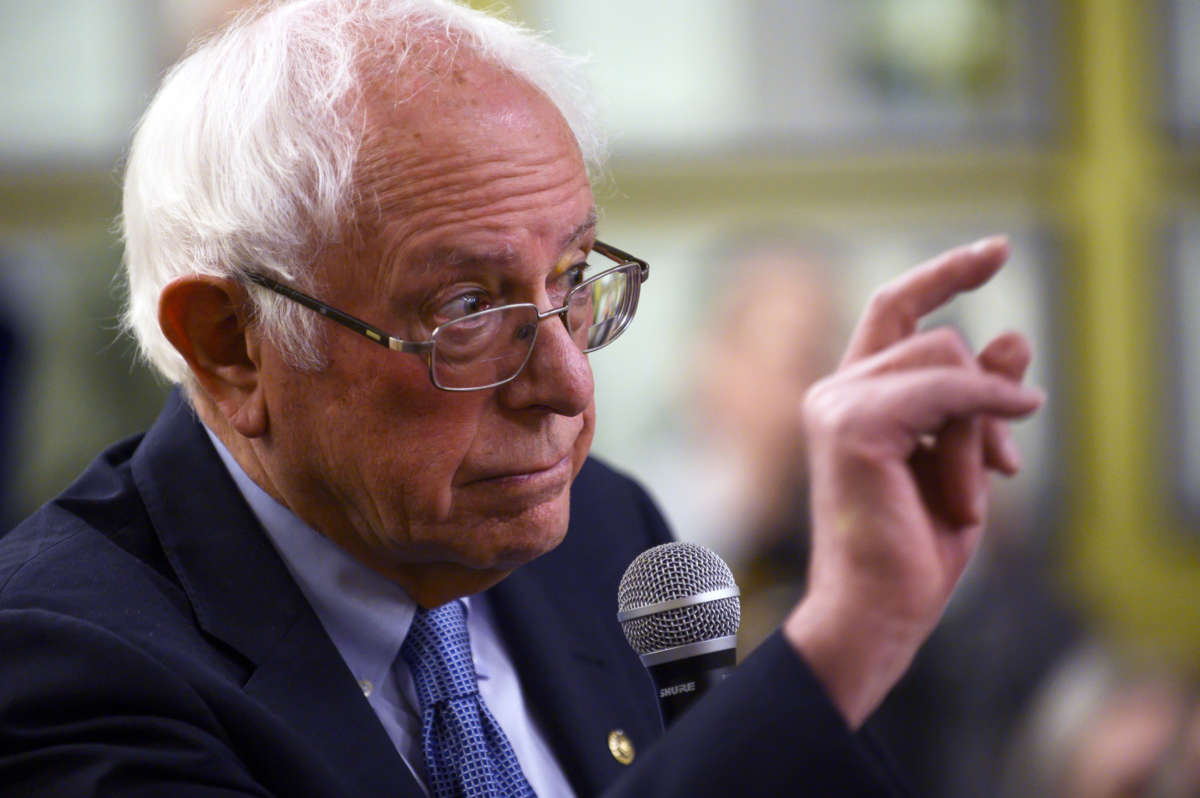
(620, 746)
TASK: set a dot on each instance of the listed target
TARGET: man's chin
(509, 528)
(507, 545)
(434, 583)
(518, 556)
(480, 548)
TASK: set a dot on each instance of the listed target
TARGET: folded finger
(951, 474)
(896, 413)
(943, 346)
(1007, 355)
(1000, 452)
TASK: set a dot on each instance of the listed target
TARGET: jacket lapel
(243, 595)
(578, 685)
(305, 681)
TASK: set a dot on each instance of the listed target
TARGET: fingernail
(986, 244)
(1012, 455)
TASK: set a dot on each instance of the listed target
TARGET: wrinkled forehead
(465, 147)
(469, 139)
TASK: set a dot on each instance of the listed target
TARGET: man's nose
(557, 376)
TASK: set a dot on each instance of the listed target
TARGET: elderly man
(367, 554)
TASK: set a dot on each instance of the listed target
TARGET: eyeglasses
(491, 347)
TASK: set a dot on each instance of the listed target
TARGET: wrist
(857, 656)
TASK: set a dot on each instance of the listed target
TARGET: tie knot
(438, 652)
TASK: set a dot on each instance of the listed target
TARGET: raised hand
(901, 439)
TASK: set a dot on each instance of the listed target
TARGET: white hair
(245, 159)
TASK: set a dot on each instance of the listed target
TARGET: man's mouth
(551, 470)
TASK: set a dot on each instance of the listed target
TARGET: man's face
(476, 195)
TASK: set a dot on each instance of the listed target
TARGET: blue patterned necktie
(466, 753)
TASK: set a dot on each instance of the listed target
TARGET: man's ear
(207, 320)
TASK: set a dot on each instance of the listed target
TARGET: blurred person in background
(732, 473)
(1108, 723)
(1004, 632)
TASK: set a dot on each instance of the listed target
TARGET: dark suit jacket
(153, 643)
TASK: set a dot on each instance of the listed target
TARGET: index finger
(895, 310)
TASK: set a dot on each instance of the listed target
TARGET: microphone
(678, 606)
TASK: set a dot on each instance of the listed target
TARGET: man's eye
(569, 279)
(575, 274)
(462, 305)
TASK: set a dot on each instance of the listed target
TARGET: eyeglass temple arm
(345, 319)
(384, 339)
(621, 255)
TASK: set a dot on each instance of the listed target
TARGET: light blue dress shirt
(367, 616)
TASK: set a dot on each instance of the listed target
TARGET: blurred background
(774, 160)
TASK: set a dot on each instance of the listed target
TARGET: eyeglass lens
(492, 346)
(607, 308)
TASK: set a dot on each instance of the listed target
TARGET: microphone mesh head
(673, 571)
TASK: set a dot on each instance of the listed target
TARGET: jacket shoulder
(92, 554)
(99, 512)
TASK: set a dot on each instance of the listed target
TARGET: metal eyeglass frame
(622, 259)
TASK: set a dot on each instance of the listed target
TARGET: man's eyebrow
(455, 257)
(589, 224)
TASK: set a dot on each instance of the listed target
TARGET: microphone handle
(683, 681)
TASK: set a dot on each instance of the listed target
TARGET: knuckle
(893, 305)
(816, 403)
(887, 299)
(1009, 353)
(827, 405)
(951, 341)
